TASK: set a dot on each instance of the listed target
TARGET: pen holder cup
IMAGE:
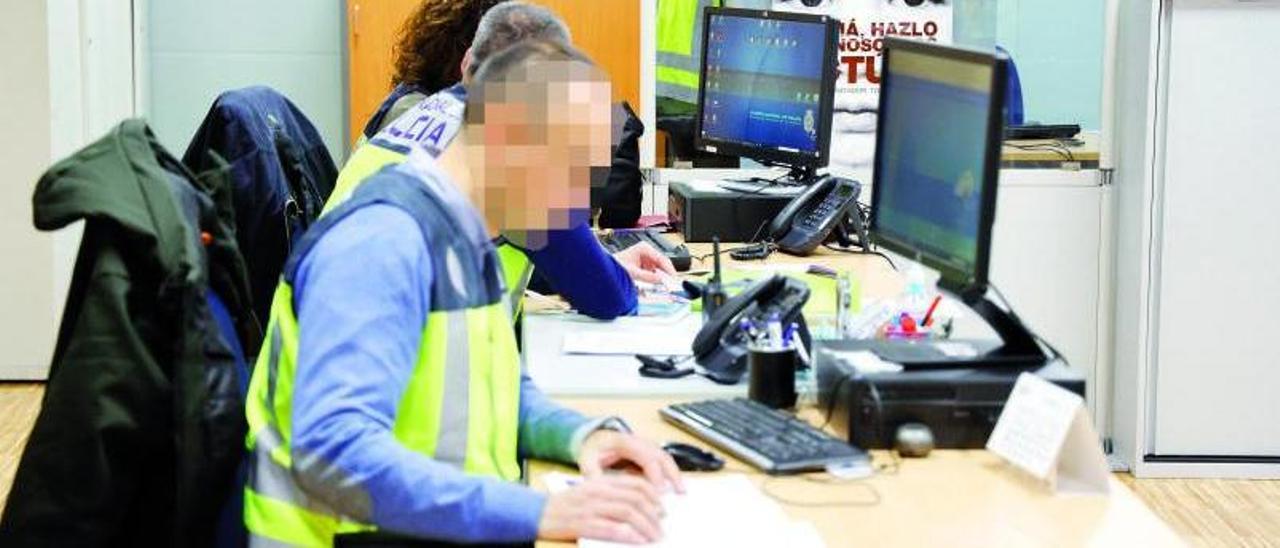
(772, 374)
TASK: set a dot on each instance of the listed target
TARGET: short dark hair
(511, 22)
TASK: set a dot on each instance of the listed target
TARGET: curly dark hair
(433, 40)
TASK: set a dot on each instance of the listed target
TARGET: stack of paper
(722, 510)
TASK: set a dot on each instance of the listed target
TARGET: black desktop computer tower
(960, 406)
(729, 215)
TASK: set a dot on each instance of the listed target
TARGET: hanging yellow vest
(461, 405)
(680, 48)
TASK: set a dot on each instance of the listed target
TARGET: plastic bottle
(916, 295)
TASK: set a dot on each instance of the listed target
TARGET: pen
(928, 316)
(788, 336)
(800, 349)
(774, 327)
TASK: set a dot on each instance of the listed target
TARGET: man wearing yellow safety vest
(571, 260)
(389, 397)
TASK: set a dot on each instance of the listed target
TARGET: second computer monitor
(767, 86)
(937, 158)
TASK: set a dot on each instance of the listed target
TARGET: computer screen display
(767, 85)
(937, 152)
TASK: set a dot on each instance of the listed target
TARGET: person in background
(571, 260)
(428, 56)
(389, 400)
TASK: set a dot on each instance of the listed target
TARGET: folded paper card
(1045, 430)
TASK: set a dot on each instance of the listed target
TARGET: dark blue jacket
(281, 174)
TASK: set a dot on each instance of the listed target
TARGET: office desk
(951, 498)
(564, 375)
(1052, 154)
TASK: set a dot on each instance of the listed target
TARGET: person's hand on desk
(605, 449)
(645, 263)
(613, 507)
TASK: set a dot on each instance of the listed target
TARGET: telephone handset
(811, 217)
(721, 347)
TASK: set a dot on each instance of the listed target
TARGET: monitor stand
(1020, 347)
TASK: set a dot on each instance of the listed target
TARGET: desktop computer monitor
(767, 86)
(937, 159)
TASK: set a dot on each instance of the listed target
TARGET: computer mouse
(914, 440)
(693, 459)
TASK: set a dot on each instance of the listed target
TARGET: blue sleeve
(582, 272)
(362, 296)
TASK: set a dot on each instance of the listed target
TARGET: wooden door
(607, 30)
(372, 26)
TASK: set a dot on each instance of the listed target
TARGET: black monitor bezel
(825, 105)
(969, 286)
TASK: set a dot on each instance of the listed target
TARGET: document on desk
(721, 510)
(651, 341)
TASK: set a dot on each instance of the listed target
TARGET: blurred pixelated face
(542, 132)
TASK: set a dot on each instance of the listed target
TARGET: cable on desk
(863, 252)
(872, 500)
(754, 243)
(1058, 146)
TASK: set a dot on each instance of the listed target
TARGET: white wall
(26, 270)
(196, 49)
(68, 67)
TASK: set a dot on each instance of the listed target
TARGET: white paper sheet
(721, 510)
(654, 342)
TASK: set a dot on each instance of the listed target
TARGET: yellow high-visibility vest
(680, 47)
(461, 405)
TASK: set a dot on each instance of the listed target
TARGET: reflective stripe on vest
(460, 405)
(680, 48)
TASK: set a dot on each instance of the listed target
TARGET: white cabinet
(1047, 255)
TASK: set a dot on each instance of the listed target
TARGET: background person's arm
(581, 271)
(362, 296)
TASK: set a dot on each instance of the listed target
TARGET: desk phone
(721, 347)
(811, 217)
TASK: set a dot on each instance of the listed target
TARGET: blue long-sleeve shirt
(362, 295)
(582, 272)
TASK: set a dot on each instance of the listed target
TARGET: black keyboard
(771, 440)
(618, 240)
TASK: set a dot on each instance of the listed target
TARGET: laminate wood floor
(1206, 512)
